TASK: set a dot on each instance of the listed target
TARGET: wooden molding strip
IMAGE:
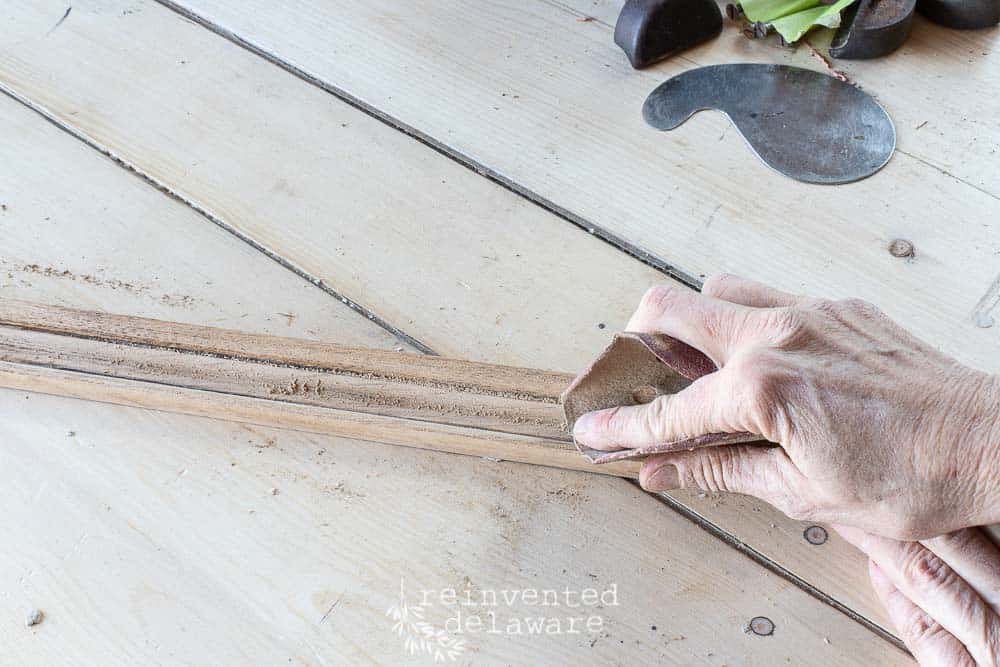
(396, 398)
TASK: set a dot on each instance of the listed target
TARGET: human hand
(877, 429)
(942, 594)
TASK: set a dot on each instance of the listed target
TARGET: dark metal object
(962, 14)
(815, 535)
(803, 124)
(651, 30)
(873, 28)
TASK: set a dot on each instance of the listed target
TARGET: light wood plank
(537, 97)
(474, 271)
(459, 263)
(133, 530)
(148, 537)
(75, 229)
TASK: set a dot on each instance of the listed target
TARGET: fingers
(755, 470)
(935, 587)
(734, 289)
(711, 325)
(975, 558)
(704, 406)
(929, 643)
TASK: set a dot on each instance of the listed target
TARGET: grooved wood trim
(396, 398)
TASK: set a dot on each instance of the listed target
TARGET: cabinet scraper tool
(803, 124)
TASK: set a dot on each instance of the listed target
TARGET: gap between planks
(607, 236)
(165, 189)
(778, 569)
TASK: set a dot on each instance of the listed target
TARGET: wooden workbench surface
(465, 178)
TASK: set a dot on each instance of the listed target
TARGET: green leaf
(793, 26)
(765, 11)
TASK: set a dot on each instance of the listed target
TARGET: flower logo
(418, 635)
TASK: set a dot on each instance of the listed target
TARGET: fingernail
(663, 478)
(583, 425)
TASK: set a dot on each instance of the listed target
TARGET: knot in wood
(901, 248)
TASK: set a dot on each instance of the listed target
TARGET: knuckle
(709, 472)
(861, 308)
(655, 415)
(924, 569)
(718, 284)
(783, 326)
(626, 425)
(823, 306)
(611, 422)
(716, 469)
(716, 324)
(760, 386)
(658, 299)
(918, 628)
(842, 309)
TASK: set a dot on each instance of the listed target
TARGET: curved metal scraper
(801, 123)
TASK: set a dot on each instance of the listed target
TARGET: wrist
(981, 449)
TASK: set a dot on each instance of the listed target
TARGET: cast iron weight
(651, 30)
(962, 14)
(873, 28)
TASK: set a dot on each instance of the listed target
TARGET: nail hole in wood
(762, 626)
(815, 535)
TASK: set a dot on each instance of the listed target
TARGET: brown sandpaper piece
(635, 369)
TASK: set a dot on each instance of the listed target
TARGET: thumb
(705, 406)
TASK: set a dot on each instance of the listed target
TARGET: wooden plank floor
(241, 193)
(505, 286)
(539, 99)
(150, 537)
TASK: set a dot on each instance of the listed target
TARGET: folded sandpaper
(635, 369)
